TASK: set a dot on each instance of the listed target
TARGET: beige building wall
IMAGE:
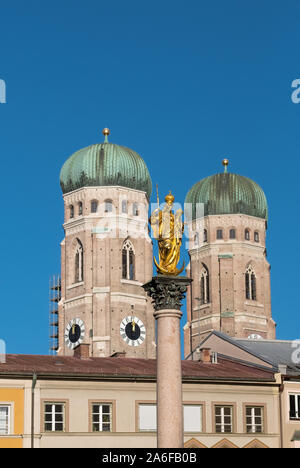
(289, 426)
(126, 396)
(102, 299)
(226, 261)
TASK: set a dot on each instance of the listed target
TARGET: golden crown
(170, 198)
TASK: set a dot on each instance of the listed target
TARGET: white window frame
(223, 416)
(297, 406)
(8, 418)
(100, 414)
(53, 419)
(254, 425)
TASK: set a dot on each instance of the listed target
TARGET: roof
(276, 353)
(105, 164)
(228, 193)
(63, 367)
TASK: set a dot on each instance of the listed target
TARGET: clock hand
(73, 329)
(133, 325)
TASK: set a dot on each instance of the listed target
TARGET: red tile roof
(125, 368)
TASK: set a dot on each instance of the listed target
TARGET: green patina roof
(228, 193)
(105, 164)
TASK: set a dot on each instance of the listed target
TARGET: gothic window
(232, 234)
(80, 208)
(247, 234)
(205, 235)
(128, 261)
(256, 236)
(135, 209)
(219, 234)
(94, 206)
(204, 286)
(71, 211)
(78, 263)
(124, 206)
(196, 239)
(108, 206)
(250, 284)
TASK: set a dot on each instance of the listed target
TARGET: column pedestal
(167, 292)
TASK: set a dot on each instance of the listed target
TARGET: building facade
(111, 402)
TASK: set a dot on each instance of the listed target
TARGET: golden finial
(225, 163)
(106, 132)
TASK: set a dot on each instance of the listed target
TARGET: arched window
(196, 239)
(124, 206)
(78, 263)
(80, 208)
(204, 286)
(247, 234)
(250, 284)
(128, 261)
(94, 206)
(205, 235)
(135, 209)
(232, 234)
(108, 206)
(219, 234)
(256, 236)
(71, 211)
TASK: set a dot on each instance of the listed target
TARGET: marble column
(167, 292)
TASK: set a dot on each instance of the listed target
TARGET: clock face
(74, 333)
(133, 331)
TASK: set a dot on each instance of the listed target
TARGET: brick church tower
(227, 248)
(106, 254)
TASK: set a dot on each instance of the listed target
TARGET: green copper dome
(228, 193)
(105, 164)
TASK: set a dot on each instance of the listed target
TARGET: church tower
(228, 263)
(106, 254)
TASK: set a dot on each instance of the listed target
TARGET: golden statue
(168, 229)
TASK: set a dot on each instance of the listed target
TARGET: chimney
(205, 355)
(119, 354)
(82, 351)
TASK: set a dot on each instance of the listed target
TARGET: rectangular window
(102, 417)
(254, 419)
(4, 419)
(147, 417)
(192, 417)
(54, 417)
(232, 234)
(223, 418)
(219, 234)
(295, 406)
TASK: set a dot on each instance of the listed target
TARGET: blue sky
(183, 83)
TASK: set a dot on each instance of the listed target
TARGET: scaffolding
(54, 298)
